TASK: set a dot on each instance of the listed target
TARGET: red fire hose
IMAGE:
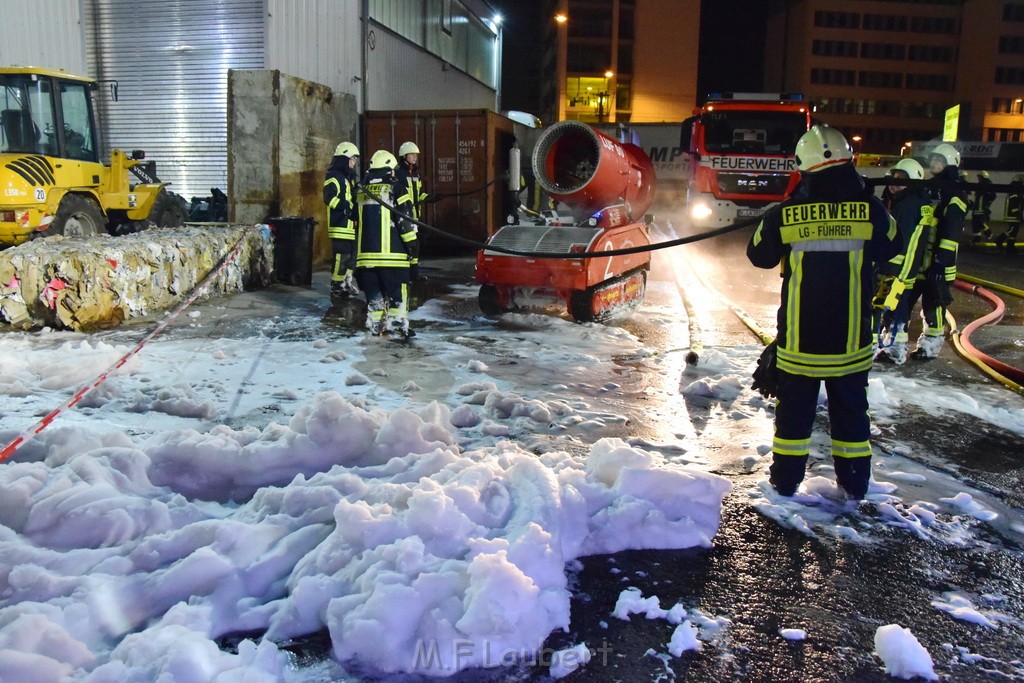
(1015, 375)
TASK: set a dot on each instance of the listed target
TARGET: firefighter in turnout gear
(1014, 213)
(387, 246)
(828, 237)
(983, 198)
(340, 196)
(408, 174)
(913, 209)
(938, 268)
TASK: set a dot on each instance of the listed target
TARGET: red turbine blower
(607, 186)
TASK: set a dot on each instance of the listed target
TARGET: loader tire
(77, 216)
(169, 210)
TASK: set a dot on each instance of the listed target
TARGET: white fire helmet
(911, 167)
(948, 153)
(346, 149)
(408, 148)
(821, 147)
(383, 159)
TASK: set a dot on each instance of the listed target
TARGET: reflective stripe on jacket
(339, 196)
(385, 240)
(828, 238)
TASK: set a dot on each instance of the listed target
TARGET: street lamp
(856, 143)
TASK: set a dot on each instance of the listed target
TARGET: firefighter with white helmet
(938, 269)
(387, 245)
(828, 237)
(912, 208)
(339, 195)
(408, 173)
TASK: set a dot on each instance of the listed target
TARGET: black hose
(562, 255)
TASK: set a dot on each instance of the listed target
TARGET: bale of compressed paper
(95, 282)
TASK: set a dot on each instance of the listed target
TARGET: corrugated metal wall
(45, 33)
(171, 61)
(317, 40)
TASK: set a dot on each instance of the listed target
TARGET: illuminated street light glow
(561, 18)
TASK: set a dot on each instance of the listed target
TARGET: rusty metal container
(464, 155)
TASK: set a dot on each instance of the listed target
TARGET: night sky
(730, 56)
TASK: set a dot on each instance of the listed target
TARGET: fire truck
(740, 155)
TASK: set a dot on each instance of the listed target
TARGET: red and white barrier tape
(196, 292)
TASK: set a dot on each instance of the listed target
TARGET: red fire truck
(740, 152)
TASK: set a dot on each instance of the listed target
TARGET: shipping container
(464, 155)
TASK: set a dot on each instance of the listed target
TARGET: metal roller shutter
(171, 61)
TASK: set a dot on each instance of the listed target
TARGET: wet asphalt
(758, 575)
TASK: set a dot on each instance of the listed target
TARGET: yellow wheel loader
(52, 181)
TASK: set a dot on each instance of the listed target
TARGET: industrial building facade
(885, 71)
(169, 61)
(620, 61)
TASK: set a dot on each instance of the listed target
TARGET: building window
(919, 110)
(885, 22)
(1013, 11)
(883, 51)
(937, 82)
(834, 48)
(590, 23)
(1009, 75)
(930, 53)
(446, 16)
(879, 79)
(946, 25)
(832, 76)
(626, 23)
(625, 59)
(837, 19)
(582, 58)
(1011, 45)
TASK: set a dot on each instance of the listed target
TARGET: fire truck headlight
(700, 211)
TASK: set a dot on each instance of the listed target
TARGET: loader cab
(47, 112)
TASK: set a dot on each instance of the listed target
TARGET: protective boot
(928, 346)
(786, 473)
(853, 476)
(398, 327)
(375, 315)
(345, 287)
(896, 353)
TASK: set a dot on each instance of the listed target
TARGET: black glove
(414, 273)
(766, 375)
(433, 198)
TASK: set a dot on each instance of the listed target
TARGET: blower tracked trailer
(608, 186)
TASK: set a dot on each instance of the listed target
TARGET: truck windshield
(753, 132)
(26, 115)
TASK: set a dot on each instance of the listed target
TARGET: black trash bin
(293, 249)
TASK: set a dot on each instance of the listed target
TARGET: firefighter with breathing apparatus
(938, 268)
(913, 209)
